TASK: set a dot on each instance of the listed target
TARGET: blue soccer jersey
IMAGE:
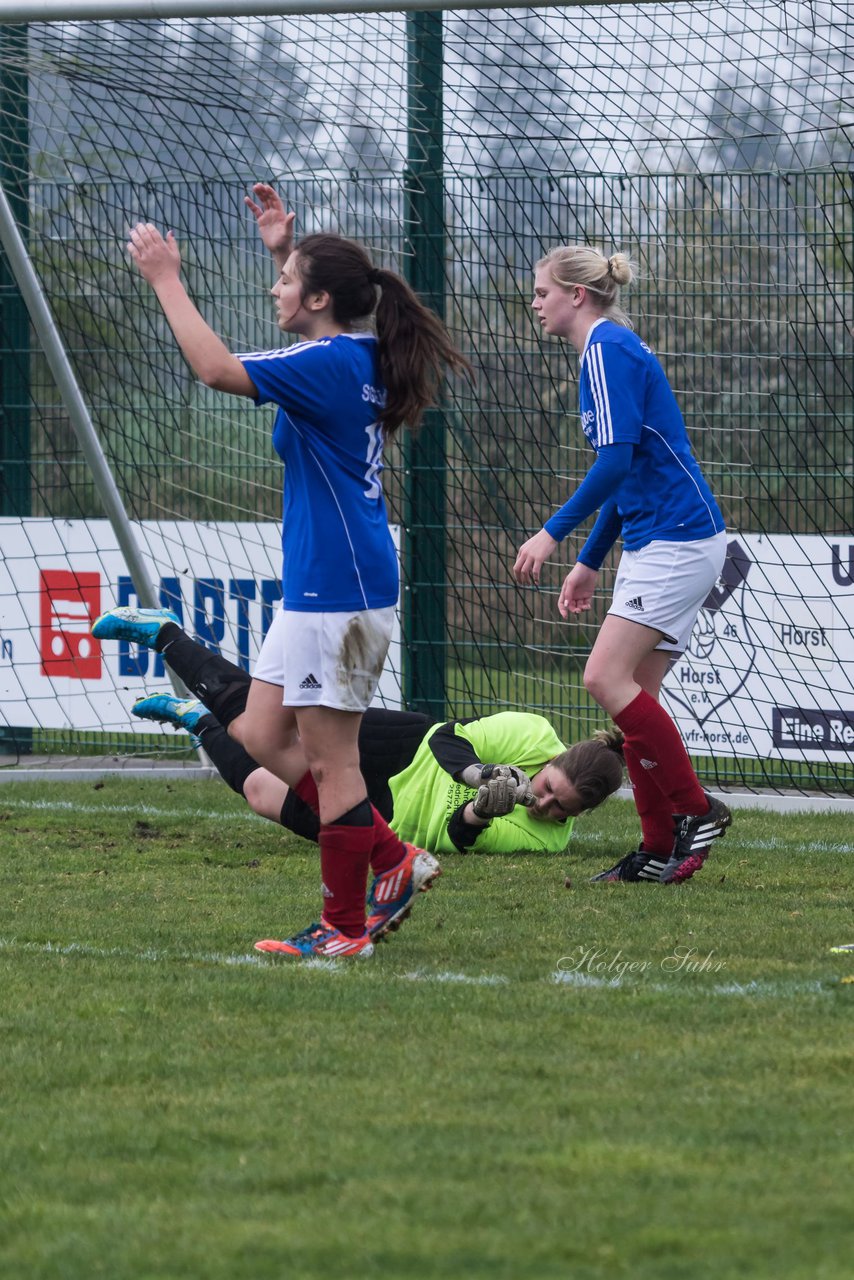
(625, 399)
(338, 551)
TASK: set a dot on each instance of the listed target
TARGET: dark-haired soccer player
(371, 361)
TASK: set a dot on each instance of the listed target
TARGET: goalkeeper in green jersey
(492, 784)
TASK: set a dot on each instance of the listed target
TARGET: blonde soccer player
(649, 490)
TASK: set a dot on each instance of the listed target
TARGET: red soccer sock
(345, 857)
(654, 738)
(653, 807)
(388, 848)
(306, 789)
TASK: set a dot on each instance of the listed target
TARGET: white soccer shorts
(664, 585)
(326, 659)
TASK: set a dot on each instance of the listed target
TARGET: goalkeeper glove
(500, 787)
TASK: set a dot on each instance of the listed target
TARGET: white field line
(253, 959)
(471, 980)
(123, 953)
(773, 802)
(686, 985)
(733, 845)
(147, 810)
(693, 987)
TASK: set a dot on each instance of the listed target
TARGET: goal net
(712, 142)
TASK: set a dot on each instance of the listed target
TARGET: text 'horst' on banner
(769, 671)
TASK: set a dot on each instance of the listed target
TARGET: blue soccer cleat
(137, 626)
(392, 893)
(166, 709)
(321, 939)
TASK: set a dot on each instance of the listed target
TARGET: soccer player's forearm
(206, 353)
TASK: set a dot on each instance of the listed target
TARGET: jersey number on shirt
(374, 459)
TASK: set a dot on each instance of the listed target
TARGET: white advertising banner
(56, 577)
(769, 671)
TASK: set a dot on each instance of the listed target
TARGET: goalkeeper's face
(555, 798)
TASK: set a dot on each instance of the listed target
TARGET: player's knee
(262, 745)
(235, 729)
(334, 772)
(326, 772)
(254, 792)
(595, 682)
(252, 741)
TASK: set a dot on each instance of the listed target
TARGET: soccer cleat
(675, 872)
(138, 626)
(635, 866)
(694, 834)
(391, 894)
(321, 939)
(166, 709)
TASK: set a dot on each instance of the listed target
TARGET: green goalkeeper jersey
(426, 796)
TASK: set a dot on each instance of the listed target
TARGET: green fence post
(15, 472)
(424, 598)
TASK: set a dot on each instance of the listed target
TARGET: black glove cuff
(463, 834)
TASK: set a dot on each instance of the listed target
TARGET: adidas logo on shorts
(310, 682)
(636, 603)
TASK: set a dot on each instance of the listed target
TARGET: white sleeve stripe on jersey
(684, 469)
(599, 388)
(281, 352)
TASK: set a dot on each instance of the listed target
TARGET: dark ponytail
(414, 347)
(415, 351)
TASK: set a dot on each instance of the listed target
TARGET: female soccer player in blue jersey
(647, 487)
(340, 394)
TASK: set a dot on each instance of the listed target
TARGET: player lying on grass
(434, 784)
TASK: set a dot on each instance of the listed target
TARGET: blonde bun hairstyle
(581, 264)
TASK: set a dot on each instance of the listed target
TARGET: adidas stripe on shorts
(664, 584)
(326, 659)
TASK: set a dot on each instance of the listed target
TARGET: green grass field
(528, 1080)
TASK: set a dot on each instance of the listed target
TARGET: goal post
(14, 320)
(125, 10)
(713, 143)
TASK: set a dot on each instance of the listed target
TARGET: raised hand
(275, 226)
(158, 258)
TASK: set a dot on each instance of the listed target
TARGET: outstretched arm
(159, 262)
